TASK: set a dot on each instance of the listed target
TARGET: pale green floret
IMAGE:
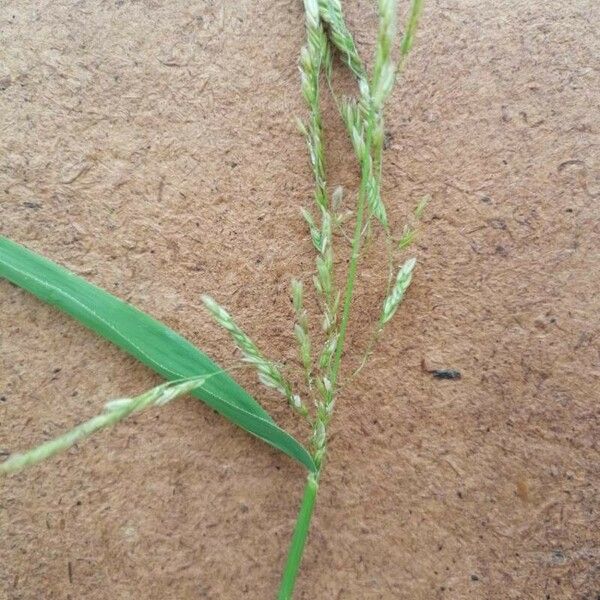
(337, 197)
(410, 232)
(420, 208)
(114, 411)
(351, 116)
(297, 296)
(304, 345)
(384, 70)
(330, 311)
(356, 126)
(325, 230)
(331, 13)
(395, 297)
(408, 238)
(414, 14)
(328, 351)
(315, 233)
(268, 372)
(324, 272)
(319, 441)
(311, 10)
(301, 329)
(301, 126)
(358, 143)
(374, 200)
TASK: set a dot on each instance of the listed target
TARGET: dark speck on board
(446, 374)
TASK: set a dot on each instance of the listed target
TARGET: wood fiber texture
(151, 147)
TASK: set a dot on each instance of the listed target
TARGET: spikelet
(414, 14)
(315, 232)
(396, 295)
(355, 124)
(301, 329)
(384, 70)
(319, 441)
(410, 232)
(314, 56)
(114, 411)
(337, 198)
(298, 297)
(325, 272)
(408, 238)
(268, 372)
(421, 206)
(376, 205)
(328, 351)
(331, 13)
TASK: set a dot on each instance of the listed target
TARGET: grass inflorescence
(364, 122)
(189, 370)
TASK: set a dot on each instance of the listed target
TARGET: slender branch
(114, 411)
(351, 277)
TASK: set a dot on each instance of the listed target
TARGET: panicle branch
(268, 372)
(114, 411)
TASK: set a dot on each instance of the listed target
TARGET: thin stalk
(367, 355)
(292, 565)
(351, 277)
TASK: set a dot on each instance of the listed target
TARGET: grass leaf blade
(151, 342)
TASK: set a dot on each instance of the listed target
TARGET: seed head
(394, 298)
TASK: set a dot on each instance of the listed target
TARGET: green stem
(296, 550)
(351, 277)
(290, 572)
(348, 292)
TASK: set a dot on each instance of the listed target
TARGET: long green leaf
(145, 338)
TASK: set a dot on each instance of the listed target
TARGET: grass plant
(191, 371)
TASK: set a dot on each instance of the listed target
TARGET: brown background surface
(151, 147)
